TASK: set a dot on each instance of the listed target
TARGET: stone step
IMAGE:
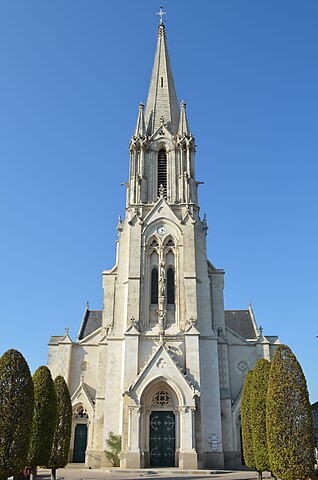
(76, 465)
(165, 471)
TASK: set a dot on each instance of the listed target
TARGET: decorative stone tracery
(161, 260)
(162, 398)
(80, 412)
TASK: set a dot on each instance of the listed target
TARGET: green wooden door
(80, 442)
(162, 439)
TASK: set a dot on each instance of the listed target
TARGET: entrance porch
(160, 430)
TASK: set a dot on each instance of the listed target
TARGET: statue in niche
(162, 294)
(162, 280)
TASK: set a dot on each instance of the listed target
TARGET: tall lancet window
(170, 286)
(154, 286)
(162, 171)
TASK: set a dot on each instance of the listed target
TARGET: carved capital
(182, 410)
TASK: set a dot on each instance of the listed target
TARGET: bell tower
(163, 295)
(162, 148)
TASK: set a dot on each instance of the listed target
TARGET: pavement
(78, 473)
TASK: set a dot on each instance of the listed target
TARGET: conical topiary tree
(62, 434)
(44, 419)
(258, 396)
(16, 412)
(247, 438)
(289, 421)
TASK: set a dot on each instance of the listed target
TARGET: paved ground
(160, 474)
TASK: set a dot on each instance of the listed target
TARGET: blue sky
(72, 75)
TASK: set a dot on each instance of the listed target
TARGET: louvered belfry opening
(162, 171)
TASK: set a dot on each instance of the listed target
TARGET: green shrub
(258, 410)
(16, 412)
(247, 437)
(289, 421)
(44, 418)
(62, 433)
(113, 442)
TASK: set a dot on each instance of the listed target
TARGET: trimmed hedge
(44, 418)
(16, 412)
(62, 434)
(289, 421)
(247, 437)
(258, 414)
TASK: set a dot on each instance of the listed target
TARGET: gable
(162, 135)
(161, 212)
(162, 367)
(83, 397)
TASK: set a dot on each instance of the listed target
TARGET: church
(162, 364)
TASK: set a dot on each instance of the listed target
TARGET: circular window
(162, 398)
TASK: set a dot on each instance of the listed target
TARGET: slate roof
(241, 322)
(92, 320)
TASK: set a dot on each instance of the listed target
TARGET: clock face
(161, 230)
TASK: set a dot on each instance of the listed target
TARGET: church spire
(162, 97)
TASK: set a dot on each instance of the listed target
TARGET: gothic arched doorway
(166, 398)
(80, 425)
(160, 426)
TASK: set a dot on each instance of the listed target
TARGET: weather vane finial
(161, 13)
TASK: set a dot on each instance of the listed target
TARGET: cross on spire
(161, 13)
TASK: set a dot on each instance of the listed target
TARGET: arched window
(170, 286)
(80, 412)
(154, 286)
(162, 171)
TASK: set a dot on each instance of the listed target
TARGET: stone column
(192, 409)
(131, 457)
(187, 454)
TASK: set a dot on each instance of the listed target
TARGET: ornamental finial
(161, 13)
(161, 190)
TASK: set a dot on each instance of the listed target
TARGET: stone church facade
(162, 364)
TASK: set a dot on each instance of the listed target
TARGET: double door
(162, 439)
